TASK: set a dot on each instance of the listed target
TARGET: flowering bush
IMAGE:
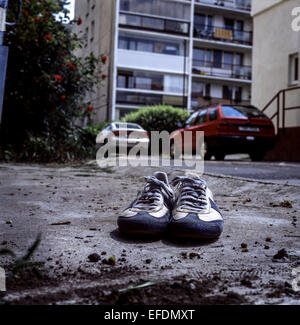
(46, 85)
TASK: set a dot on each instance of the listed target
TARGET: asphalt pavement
(242, 166)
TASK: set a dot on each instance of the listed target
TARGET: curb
(248, 179)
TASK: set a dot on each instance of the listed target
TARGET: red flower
(63, 97)
(58, 78)
(48, 37)
(104, 59)
(104, 76)
(71, 66)
(90, 108)
(79, 21)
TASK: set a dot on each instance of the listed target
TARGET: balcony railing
(202, 101)
(218, 33)
(163, 25)
(144, 99)
(138, 98)
(222, 70)
(232, 4)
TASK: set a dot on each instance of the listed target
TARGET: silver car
(123, 135)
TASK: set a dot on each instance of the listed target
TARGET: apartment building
(276, 71)
(184, 53)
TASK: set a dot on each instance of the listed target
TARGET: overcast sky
(71, 8)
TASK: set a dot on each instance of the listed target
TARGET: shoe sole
(136, 227)
(196, 231)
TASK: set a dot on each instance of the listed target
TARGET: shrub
(77, 145)
(46, 86)
(157, 118)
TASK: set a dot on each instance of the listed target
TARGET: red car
(230, 129)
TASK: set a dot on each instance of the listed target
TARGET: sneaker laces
(192, 193)
(153, 194)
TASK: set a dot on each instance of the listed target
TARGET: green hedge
(78, 145)
(157, 118)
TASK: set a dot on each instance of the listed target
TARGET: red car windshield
(242, 111)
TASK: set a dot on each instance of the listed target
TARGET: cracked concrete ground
(83, 201)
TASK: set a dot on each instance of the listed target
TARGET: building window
(232, 93)
(87, 8)
(174, 84)
(294, 69)
(199, 56)
(217, 59)
(138, 98)
(200, 93)
(132, 42)
(92, 30)
(227, 92)
(163, 8)
(203, 25)
(239, 25)
(198, 90)
(228, 60)
(150, 81)
(225, 60)
(86, 36)
(239, 59)
(238, 94)
(229, 24)
(155, 24)
(144, 46)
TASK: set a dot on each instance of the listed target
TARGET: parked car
(125, 134)
(230, 129)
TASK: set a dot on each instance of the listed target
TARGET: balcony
(220, 33)
(147, 61)
(126, 98)
(146, 99)
(197, 103)
(149, 23)
(222, 70)
(244, 5)
(149, 82)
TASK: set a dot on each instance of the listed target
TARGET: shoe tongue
(162, 177)
(196, 177)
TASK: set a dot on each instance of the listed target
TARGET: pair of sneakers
(185, 207)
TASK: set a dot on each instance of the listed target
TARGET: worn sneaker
(150, 212)
(195, 214)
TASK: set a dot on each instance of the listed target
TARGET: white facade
(276, 49)
(184, 53)
(204, 79)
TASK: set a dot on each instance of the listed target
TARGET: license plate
(248, 129)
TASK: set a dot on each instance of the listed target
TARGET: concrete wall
(259, 6)
(274, 42)
(101, 42)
